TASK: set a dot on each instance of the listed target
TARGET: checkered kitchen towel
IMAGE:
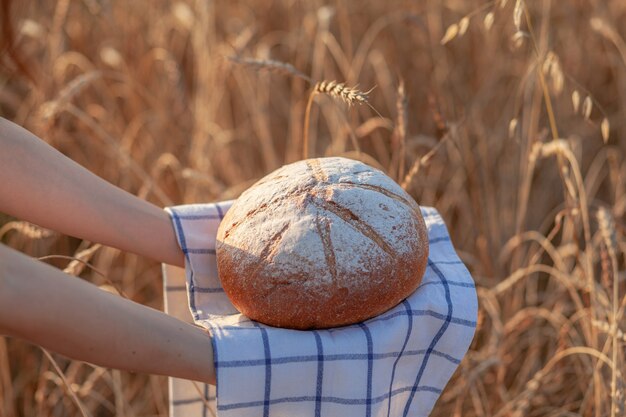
(396, 364)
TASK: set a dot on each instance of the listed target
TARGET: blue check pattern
(396, 364)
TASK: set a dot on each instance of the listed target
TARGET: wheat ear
(271, 65)
(349, 95)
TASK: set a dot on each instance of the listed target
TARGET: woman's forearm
(41, 185)
(69, 316)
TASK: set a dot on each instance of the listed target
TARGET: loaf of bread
(321, 243)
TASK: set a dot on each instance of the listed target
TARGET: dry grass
(510, 121)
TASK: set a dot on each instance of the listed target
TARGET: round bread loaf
(321, 243)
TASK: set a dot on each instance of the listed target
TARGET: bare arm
(67, 315)
(41, 185)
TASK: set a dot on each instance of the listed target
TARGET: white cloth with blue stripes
(396, 364)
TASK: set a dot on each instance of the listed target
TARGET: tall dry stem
(336, 90)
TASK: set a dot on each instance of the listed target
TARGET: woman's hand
(43, 305)
(41, 185)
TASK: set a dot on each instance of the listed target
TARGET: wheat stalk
(401, 128)
(69, 388)
(81, 259)
(51, 108)
(407, 182)
(336, 90)
(606, 224)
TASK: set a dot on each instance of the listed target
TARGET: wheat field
(508, 117)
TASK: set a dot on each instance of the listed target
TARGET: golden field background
(512, 125)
